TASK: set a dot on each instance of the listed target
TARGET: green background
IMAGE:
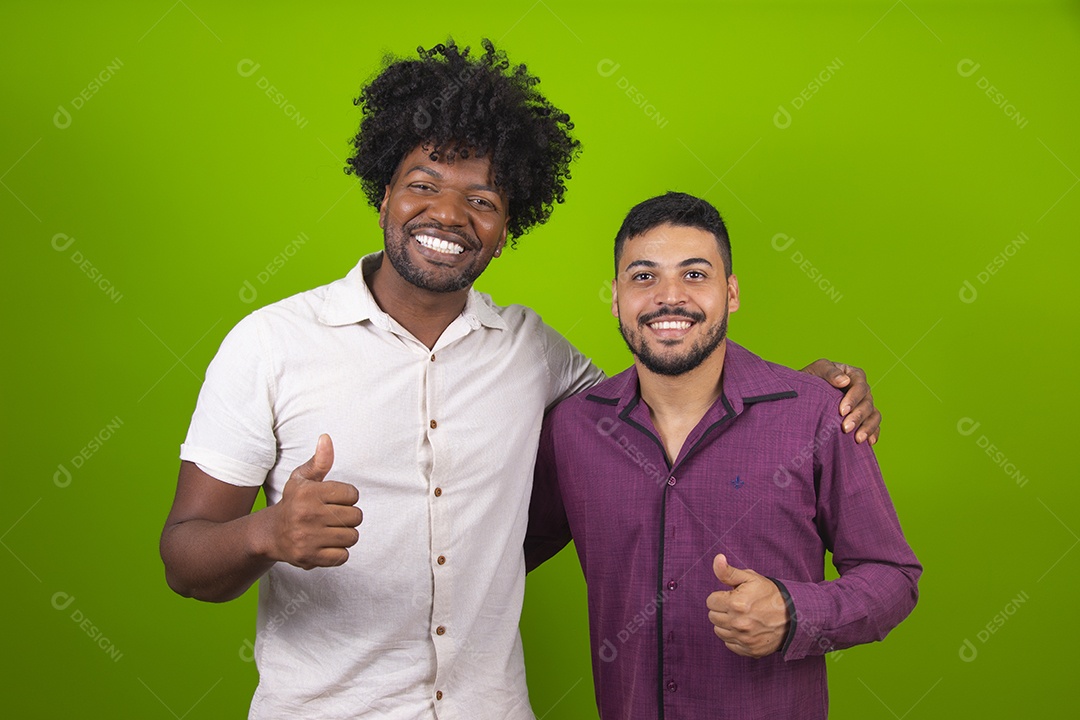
(898, 180)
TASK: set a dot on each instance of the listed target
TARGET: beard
(674, 365)
(396, 242)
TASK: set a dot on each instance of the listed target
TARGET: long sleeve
(878, 583)
(549, 529)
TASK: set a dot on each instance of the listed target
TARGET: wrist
(260, 535)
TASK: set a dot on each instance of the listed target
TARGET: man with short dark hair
(433, 397)
(702, 488)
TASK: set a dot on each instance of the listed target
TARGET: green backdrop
(900, 180)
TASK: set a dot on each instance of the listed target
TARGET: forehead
(670, 245)
(471, 169)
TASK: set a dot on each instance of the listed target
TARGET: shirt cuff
(793, 617)
(224, 468)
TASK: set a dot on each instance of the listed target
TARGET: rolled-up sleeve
(231, 436)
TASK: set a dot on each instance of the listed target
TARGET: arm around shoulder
(549, 529)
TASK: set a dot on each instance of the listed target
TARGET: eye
(483, 203)
(641, 276)
(421, 186)
(695, 275)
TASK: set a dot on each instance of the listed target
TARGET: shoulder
(596, 402)
(289, 322)
(762, 379)
(514, 316)
(809, 387)
(299, 309)
(522, 322)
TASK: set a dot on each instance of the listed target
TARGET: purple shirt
(767, 478)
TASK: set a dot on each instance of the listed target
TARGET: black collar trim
(774, 396)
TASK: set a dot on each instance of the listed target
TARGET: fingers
(316, 519)
(864, 420)
(752, 618)
(343, 516)
(325, 557)
(329, 549)
(717, 603)
(733, 644)
(337, 493)
(835, 374)
(858, 390)
(857, 408)
(868, 428)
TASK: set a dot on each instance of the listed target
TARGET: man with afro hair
(433, 397)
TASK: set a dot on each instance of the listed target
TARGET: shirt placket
(439, 494)
(672, 559)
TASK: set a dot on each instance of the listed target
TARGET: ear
(732, 293)
(614, 298)
(382, 208)
(502, 239)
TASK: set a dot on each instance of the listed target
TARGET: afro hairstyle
(458, 104)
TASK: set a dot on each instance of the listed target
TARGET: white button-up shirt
(422, 621)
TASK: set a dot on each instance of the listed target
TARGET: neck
(686, 397)
(423, 313)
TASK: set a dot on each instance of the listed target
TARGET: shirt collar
(349, 301)
(748, 379)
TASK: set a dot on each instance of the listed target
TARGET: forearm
(216, 561)
(861, 606)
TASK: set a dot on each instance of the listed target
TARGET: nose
(448, 209)
(669, 291)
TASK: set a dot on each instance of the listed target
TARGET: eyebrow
(424, 169)
(685, 263)
(476, 186)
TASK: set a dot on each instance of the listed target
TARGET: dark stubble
(673, 365)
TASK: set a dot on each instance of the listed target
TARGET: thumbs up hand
(752, 617)
(315, 521)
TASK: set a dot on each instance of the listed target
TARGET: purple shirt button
(671, 480)
(671, 686)
(672, 585)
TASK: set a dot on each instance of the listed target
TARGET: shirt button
(434, 424)
(438, 492)
(442, 561)
(672, 585)
(432, 357)
(670, 481)
(441, 630)
(438, 695)
(671, 686)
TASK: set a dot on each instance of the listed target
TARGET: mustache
(466, 240)
(670, 312)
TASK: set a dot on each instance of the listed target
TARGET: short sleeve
(569, 371)
(231, 436)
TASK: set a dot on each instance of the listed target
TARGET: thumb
(320, 463)
(727, 574)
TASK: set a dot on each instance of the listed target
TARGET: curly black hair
(462, 105)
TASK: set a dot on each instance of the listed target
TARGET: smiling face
(672, 298)
(442, 222)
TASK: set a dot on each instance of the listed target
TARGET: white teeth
(442, 246)
(670, 325)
